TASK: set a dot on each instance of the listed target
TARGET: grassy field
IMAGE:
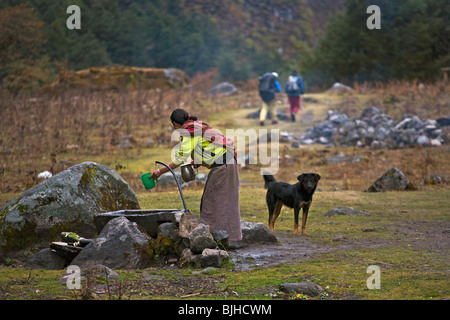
(407, 234)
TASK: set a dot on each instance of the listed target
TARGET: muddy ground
(432, 236)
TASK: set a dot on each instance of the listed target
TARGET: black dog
(295, 196)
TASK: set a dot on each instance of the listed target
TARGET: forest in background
(327, 41)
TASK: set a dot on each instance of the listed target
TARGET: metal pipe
(179, 187)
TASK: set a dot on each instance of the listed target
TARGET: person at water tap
(207, 147)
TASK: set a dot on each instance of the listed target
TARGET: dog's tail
(268, 178)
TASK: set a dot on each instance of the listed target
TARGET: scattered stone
(338, 238)
(147, 219)
(188, 258)
(342, 158)
(150, 143)
(434, 179)
(375, 130)
(444, 122)
(46, 259)
(221, 238)
(339, 88)
(167, 179)
(204, 271)
(213, 258)
(391, 180)
(120, 245)
(123, 142)
(346, 211)
(223, 89)
(188, 222)
(254, 233)
(309, 288)
(200, 239)
(169, 230)
(100, 271)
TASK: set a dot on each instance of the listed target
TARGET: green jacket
(200, 150)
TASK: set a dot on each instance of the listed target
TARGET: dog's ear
(300, 177)
(317, 176)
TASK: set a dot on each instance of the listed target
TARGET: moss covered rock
(67, 201)
(119, 77)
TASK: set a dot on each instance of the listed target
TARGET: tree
(22, 65)
(413, 43)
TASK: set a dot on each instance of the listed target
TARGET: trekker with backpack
(294, 89)
(268, 86)
(219, 205)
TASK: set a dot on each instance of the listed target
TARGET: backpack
(266, 82)
(292, 84)
(210, 134)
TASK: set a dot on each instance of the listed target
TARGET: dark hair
(180, 116)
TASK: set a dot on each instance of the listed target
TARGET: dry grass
(53, 131)
(425, 100)
(36, 132)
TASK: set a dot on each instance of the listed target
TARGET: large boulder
(391, 180)
(66, 201)
(122, 244)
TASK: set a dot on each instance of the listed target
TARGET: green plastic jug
(148, 183)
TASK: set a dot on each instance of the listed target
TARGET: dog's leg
(270, 199)
(297, 209)
(276, 212)
(296, 213)
(305, 216)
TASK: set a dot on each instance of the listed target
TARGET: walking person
(207, 147)
(268, 87)
(294, 88)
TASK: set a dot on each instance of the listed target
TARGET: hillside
(240, 39)
(272, 24)
(327, 41)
